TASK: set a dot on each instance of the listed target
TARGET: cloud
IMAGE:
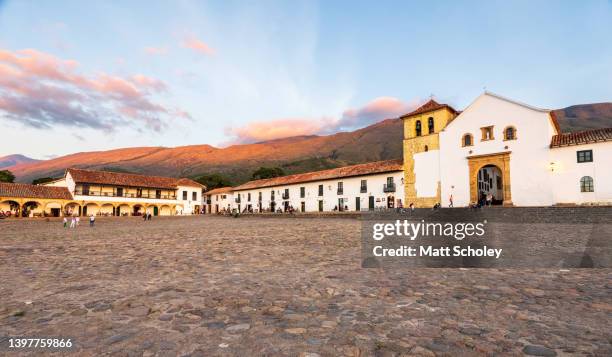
(158, 51)
(40, 90)
(376, 110)
(197, 45)
(275, 129)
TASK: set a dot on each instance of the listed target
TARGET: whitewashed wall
(330, 198)
(218, 202)
(70, 184)
(189, 205)
(427, 173)
(530, 154)
(567, 172)
(56, 183)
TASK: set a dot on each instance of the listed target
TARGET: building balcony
(285, 196)
(126, 195)
(363, 189)
(340, 191)
(237, 199)
(389, 187)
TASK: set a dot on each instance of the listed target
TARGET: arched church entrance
(490, 175)
(491, 184)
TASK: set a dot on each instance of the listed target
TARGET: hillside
(380, 141)
(585, 116)
(16, 159)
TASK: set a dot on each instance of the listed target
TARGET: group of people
(147, 216)
(76, 220)
(485, 200)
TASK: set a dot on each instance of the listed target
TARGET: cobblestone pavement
(249, 286)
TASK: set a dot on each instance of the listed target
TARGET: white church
(502, 148)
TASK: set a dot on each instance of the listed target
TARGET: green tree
(267, 172)
(40, 180)
(212, 181)
(6, 176)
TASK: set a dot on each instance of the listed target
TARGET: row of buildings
(368, 186)
(499, 148)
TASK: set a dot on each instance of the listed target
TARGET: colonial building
(350, 188)
(86, 192)
(500, 147)
(219, 200)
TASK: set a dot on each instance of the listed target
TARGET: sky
(84, 76)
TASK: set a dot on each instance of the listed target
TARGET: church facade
(509, 151)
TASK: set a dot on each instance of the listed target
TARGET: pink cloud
(158, 51)
(197, 45)
(275, 129)
(376, 110)
(41, 90)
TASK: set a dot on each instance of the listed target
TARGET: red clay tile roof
(189, 182)
(581, 137)
(33, 191)
(430, 106)
(220, 190)
(130, 180)
(347, 171)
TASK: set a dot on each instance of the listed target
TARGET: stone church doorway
(490, 174)
(490, 182)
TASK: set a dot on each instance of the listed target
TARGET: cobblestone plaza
(208, 286)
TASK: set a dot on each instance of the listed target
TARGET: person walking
(65, 222)
(92, 220)
(72, 222)
(489, 199)
(450, 199)
(78, 220)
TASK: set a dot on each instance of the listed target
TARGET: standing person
(72, 222)
(92, 220)
(78, 220)
(65, 222)
(450, 199)
(489, 199)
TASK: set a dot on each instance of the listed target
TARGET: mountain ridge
(15, 159)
